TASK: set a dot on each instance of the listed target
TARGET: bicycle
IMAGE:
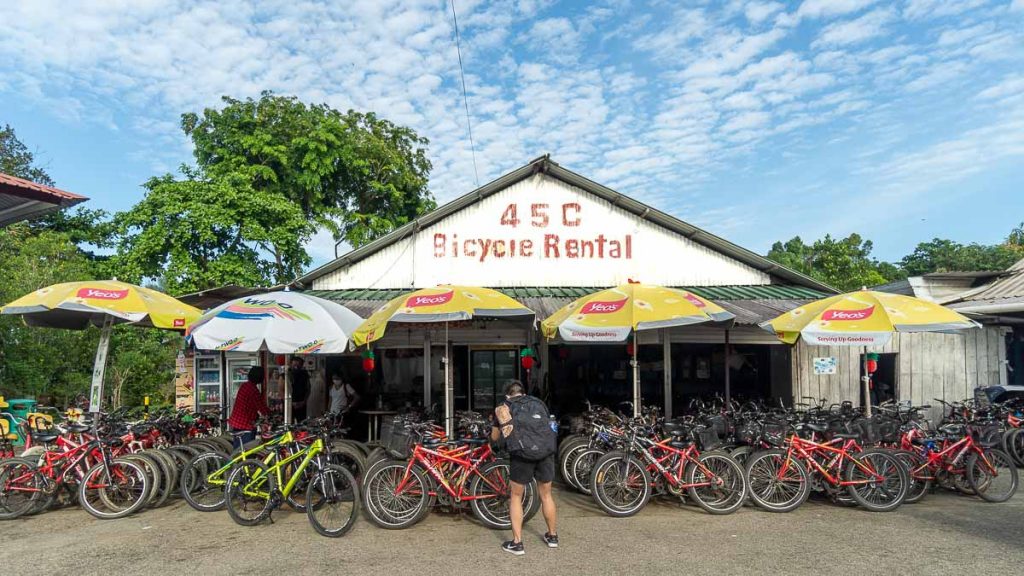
(254, 488)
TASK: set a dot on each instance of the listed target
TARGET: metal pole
(728, 390)
(449, 392)
(99, 366)
(426, 369)
(287, 392)
(636, 377)
(666, 365)
(866, 382)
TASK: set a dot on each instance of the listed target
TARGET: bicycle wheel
(620, 484)
(490, 491)
(881, 480)
(777, 483)
(332, 501)
(248, 493)
(153, 471)
(394, 499)
(20, 483)
(1015, 445)
(568, 456)
(918, 474)
(582, 466)
(347, 455)
(169, 473)
(202, 481)
(993, 477)
(741, 454)
(726, 484)
(114, 490)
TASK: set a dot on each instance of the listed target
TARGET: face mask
(337, 382)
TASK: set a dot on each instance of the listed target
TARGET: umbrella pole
(636, 377)
(448, 392)
(99, 366)
(287, 395)
(866, 382)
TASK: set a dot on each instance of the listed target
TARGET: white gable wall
(564, 237)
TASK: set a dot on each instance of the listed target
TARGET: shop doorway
(489, 372)
(883, 383)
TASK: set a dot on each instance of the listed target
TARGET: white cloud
(917, 9)
(829, 8)
(1017, 5)
(866, 27)
(556, 38)
(758, 12)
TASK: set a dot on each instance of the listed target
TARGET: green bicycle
(254, 488)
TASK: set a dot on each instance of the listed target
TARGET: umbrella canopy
(280, 322)
(77, 305)
(611, 315)
(445, 303)
(864, 318)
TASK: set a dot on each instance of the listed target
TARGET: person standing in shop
(300, 388)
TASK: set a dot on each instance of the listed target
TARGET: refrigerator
(238, 372)
(208, 388)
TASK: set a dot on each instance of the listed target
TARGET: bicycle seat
(77, 428)
(815, 427)
(44, 437)
(846, 436)
(678, 444)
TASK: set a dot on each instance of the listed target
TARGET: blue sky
(756, 119)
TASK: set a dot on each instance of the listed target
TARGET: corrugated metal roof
(546, 166)
(1007, 289)
(751, 304)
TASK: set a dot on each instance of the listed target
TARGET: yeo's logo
(848, 315)
(599, 307)
(430, 299)
(101, 294)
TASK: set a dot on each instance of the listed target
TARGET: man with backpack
(531, 437)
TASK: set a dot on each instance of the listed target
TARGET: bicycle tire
(24, 500)
(350, 457)
(155, 477)
(324, 491)
(582, 466)
(919, 487)
(741, 454)
(724, 498)
(1015, 446)
(379, 498)
(981, 479)
(170, 472)
(564, 456)
(763, 472)
(195, 484)
(606, 481)
(484, 492)
(235, 500)
(886, 495)
(135, 488)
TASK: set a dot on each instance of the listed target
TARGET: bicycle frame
(805, 450)
(466, 460)
(685, 455)
(217, 477)
(307, 454)
(940, 460)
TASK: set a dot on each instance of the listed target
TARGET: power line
(465, 96)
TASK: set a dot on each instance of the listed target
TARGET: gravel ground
(945, 534)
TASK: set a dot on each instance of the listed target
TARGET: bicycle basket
(394, 437)
(747, 432)
(774, 432)
(707, 439)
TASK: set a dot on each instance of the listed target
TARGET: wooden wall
(946, 366)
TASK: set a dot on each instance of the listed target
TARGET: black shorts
(522, 471)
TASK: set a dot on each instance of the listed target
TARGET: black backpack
(534, 431)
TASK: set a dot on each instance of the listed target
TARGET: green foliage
(845, 264)
(941, 255)
(1016, 237)
(16, 160)
(357, 175)
(197, 233)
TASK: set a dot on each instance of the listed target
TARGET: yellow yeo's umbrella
(611, 315)
(76, 305)
(445, 303)
(864, 318)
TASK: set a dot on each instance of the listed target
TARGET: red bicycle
(400, 493)
(962, 455)
(781, 480)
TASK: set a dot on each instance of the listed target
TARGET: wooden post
(728, 391)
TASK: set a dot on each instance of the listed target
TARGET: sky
(757, 120)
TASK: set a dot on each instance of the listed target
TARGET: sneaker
(514, 548)
(551, 540)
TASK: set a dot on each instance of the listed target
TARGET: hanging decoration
(369, 361)
(872, 362)
(526, 358)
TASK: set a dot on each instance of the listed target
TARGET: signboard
(184, 382)
(543, 232)
(824, 366)
(99, 367)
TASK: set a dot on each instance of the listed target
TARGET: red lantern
(629, 349)
(872, 366)
(526, 359)
(369, 361)
(280, 360)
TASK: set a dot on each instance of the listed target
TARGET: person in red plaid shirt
(249, 403)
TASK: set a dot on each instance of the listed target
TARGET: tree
(16, 160)
(357, 175)
(197, 233)
(942, 255)
(843, 263)
(1016, 237)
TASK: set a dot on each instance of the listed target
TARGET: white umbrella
(278, 322)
